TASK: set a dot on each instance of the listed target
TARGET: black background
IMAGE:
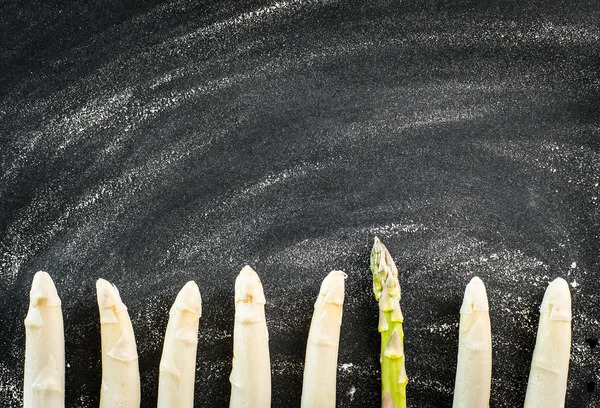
(152, 143)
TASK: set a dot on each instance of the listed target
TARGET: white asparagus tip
(547, 385)
(248, 288)
(332, 288)
(43, 289)
(108, 295)
(557, 300)
(475, 297)
(188, 299)
(44, 380)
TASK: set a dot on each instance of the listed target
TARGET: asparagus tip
(248, 287)
(557, 300)
(332, 288)
(42, 288)
(189, 300)
(475, 298)
(109, 301)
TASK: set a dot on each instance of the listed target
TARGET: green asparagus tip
(386, 288)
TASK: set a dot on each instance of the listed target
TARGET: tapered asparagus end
(376, 255)
(385, 275)
(328, 310)
(42, 295)
(178, 361)
(44, 380)
(189, 300)
(556, 311)
(476, 329)
(386, 288)
(43, 292)
(251, 372)
(320, 368)
(248, 287)
(550, 363)
(475, 297)
(557, 301)
(332, 289)
(474, 366)
(109, 301)
(109, 305)
(249, 297)
(108, 295)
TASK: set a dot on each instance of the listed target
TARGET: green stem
(393, 368)
(387, 291)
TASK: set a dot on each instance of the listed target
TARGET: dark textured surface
(150, 144)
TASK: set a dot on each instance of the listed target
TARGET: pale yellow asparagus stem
(178, 362)
(474, 367)
(547, 386)
(120, 372)
(320, 368)
(386, 288)
(44, 383)
(251, 373)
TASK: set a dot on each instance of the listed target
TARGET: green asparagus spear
(387, 291)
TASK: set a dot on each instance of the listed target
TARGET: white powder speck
(8, 385)
(574, 265)
(394, 228)
(351, 392)
(347, 366)
(442, 328)
(574, 283)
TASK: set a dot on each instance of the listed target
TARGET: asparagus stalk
(251, 373)
(178, 362)
(120, 372)
(44, 382)
(547, 386)
(387, 291)
(320, 369)
(474, 368)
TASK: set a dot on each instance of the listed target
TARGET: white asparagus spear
(251, 373)
(44, 383)
(547, 386)
(178, 362)
(474, 367)
(120, 372)
(320, 368)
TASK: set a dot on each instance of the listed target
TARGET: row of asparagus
(250, 377)
(251, 372)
